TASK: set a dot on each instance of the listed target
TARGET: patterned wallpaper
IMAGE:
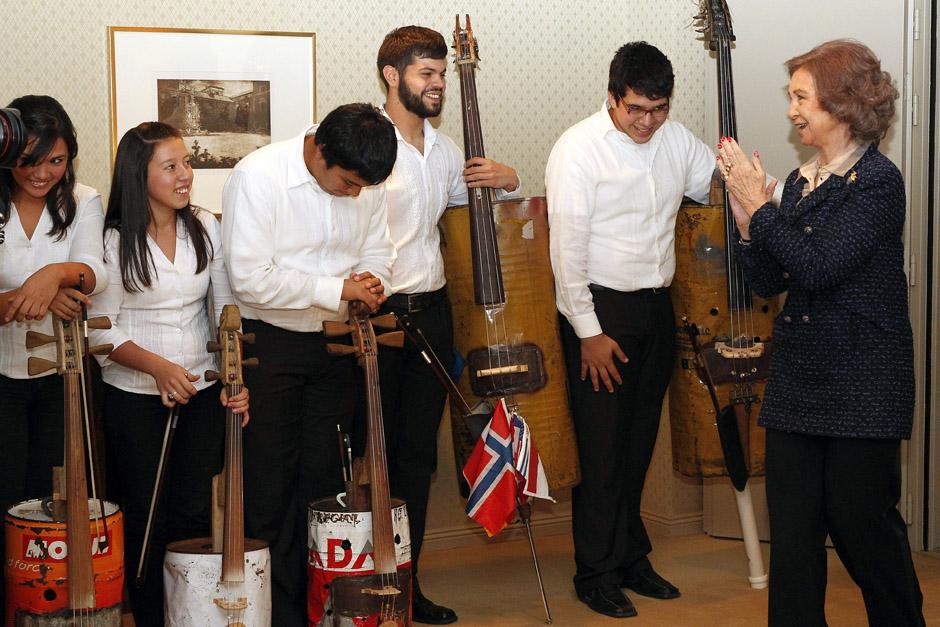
(544, 67)
(544, 62)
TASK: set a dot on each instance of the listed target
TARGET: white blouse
(170, 317)
(20, 257)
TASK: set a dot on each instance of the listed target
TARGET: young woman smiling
(164, 256)
(50, 234)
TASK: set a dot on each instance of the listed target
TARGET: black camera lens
(12, 137)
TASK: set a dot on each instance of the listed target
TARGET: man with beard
(429, 176)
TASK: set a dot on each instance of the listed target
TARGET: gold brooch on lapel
(852, 177)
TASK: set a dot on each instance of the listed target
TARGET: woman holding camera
(840, 396)
(50, 237)
(163, 257)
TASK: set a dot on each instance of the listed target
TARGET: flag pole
(525, 513)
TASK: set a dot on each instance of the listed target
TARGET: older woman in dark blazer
(840, 396)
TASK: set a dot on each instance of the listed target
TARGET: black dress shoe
(650, 584)
(609, 601)
(426, 611)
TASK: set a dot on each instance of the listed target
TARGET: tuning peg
(386, 321)
(101, 349)
(251, 362)
(247, 338)
(99, 322)
(213, 347)
(340, 349)
(35, 338)
(395, 339)
(335, 329)
(211, 375)
(38, 365)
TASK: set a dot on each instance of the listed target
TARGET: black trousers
(298, 396)
(848, 488)
(412, 404)
(616, 434)
(134, 427)
(32, 429)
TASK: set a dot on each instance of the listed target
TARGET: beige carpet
(496, 585)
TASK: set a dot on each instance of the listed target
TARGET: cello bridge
(237, 605)
(384, 591)
(492, 372)
(740, 352)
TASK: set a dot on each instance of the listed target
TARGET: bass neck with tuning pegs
(81, 526)
(385, 595)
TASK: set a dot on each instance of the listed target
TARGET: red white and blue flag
(504, 464)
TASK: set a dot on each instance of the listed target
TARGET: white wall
(769, 33)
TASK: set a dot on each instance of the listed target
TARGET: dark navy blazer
(843, 362)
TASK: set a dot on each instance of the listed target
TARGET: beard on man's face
(414, 102)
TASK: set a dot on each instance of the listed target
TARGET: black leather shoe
(609, 601)
(426, 611)
(650, 584)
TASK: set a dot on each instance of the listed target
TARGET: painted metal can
(36, 570)
(193, 594)
(340, 545)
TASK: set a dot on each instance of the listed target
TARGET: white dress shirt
(289, 244)
(21, 257)
(419, 190)
(169, 318)
(612, 206)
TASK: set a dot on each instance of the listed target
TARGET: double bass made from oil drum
(502, 294)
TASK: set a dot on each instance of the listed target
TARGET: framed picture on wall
(229, 92)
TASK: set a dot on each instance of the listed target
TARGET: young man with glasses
(614, 184)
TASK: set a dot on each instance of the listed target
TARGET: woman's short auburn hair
(851, 86)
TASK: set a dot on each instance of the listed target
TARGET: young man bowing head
(304, 233)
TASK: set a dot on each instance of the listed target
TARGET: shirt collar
(297, 172)
(430, 133)
(815, 174)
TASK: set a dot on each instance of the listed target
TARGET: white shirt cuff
(586, 325)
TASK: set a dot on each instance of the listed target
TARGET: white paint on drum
(192, 581)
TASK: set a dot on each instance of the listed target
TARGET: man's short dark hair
(642, 68)
(403, 45)
(359, 138)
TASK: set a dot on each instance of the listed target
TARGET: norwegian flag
(504, 464)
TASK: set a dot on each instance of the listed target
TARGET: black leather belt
(646, 291)
(413, 303)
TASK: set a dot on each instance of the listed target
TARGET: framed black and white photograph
(228, 92)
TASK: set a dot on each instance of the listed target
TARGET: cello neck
(229, 345)
(81, 581)
(233, 527)
(383, 541)
(488, 289)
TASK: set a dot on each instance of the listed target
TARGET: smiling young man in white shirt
(430, 175)
(304, 232)
(615, 181)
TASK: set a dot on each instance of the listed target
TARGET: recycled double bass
(716, 309)
(503, 298)
(382, 598)
(90, 540)
(222, 581)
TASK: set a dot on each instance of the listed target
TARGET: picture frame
(228, 91)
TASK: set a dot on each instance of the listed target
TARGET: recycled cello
(502, 295)
(91, 548)
(383, 598)
(222, 581)
(723, 353)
